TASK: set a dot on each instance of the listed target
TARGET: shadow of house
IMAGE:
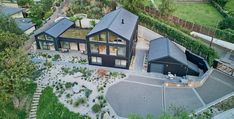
(164, 57)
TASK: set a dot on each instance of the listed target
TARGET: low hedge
(219, 8)
(179, 37)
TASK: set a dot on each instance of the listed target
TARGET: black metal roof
(10, 10)
(56, 29)
(24, 23)
(163, 47)
(120, 21)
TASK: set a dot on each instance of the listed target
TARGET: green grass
(50, 108)
(76, 33)
(200, 13)
(8, 111)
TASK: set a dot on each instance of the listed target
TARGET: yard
(200, 13)
(50, 108)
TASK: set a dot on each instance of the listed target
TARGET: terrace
(75, 33)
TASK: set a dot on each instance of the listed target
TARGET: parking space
(181, 97)
(145, 80)
(217, 86)
(131, 98)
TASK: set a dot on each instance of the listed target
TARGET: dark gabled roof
(113, 22)
(163, 47)
(10, 10)
(24, 23)
(55, 29)
(58, 28)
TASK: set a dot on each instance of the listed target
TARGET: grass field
(50, 108)
(200, 13)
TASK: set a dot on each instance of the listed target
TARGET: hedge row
(219, 8)
(224, 35)
(179, 37)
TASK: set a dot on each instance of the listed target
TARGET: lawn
(50, 108)
(8, 111)
(200, 13)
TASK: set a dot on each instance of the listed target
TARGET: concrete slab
(145, 80)
(213, 90)
(181, 97)
(130, 98)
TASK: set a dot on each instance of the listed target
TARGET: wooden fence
(177, 21)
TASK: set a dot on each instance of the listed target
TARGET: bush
(68, 85)
(87, 92)
(230, 7)
(96, 108)
(179, 37)
(80, 101)
(219, 8)
(56, 57)
(227, 23)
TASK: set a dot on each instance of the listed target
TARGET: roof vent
(122, 21)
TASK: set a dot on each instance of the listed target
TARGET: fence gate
(229, 69)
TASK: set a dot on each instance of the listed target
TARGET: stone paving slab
(145, 80)
(181, 97)
(132, 98)
(212, 90)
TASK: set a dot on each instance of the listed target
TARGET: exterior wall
(17, 15)
(170, 65)
(73, 41)
(109, 60)
(30, 31)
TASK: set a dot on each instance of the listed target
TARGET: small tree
(96, 108)
(167, 7)
(93, 23)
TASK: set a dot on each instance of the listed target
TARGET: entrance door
(159, 68)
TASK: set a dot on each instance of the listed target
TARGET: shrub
(68, 85)
(87, 92)
(80, 101)
(56, 57)
(227, 23)
(96, 108)
(179, 37)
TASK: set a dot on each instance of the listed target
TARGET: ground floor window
(82, 46)
(96, 60)
(65, 45)
(46, 45)
(120, 63)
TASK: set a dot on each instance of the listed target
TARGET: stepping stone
(33, 110)
(37, 93)
(35, 101)
(35, 104)
(36, 98)
(33, 107)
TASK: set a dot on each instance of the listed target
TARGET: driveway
(144, 95)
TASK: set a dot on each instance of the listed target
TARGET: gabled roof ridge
(114, 18)
(55, 24)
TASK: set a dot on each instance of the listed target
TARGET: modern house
(62, 35)
(164, 56)
(112, 41)
(25, 24)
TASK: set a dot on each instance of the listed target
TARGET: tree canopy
(9, 24)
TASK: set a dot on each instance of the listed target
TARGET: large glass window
(41, 37)
(120, 63)
(99, 38)
(98, 49)
(96, 60)
(117, 51)
(115, 39)
(94, 48)
(65, 45)
(46, 46)
(94, 38)
(49, 38)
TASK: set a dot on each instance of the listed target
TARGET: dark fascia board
(106, 31)
(152, 61)
(72, 40)
(44, 33)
